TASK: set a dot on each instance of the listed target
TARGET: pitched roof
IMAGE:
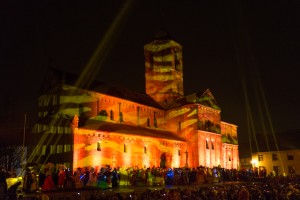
(56, 77)
(163, 34)
(130, 130)
(204, 98)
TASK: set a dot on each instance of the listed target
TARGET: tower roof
(162, 40)
(162, 35)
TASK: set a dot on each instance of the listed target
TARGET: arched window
(148, 122)
(111, 115)
(206, 144)
(99, 146)
(125, 148)
(121, 117)
(155, 121)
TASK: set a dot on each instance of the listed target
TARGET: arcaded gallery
(96, 124)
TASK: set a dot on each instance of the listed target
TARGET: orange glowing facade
(104, 125)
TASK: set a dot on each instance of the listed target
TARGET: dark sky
(235, 48)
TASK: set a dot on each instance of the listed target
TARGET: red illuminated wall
(107, 108)
(112, 109)
(139, 151)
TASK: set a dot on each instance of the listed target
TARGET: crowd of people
(59, 177)
(285, 189)
(190, 183)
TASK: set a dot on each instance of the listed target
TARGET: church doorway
(163, 160)
(166, 160)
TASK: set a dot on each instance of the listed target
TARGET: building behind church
(99, 124)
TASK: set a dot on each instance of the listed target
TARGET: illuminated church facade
(103, 125)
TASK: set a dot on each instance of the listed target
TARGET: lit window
(43, 152)
(98, 146)
(274, 157)
(290, 157)
(52, 149)
(59, 148)
(67, 148)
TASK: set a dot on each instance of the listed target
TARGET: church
(99, 124)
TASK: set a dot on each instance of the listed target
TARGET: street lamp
(253, 162)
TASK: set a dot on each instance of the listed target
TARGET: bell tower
(163, 69)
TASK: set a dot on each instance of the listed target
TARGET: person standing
(61, 178)
(27, 181)
(49, 184)
(243, 194)
(114, 179)
(86, 177)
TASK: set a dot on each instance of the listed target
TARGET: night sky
(235, 48)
